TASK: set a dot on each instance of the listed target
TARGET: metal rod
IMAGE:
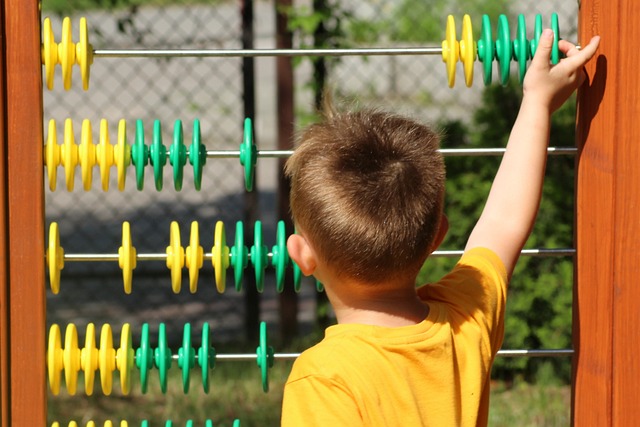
(139, 257)
(245, 53)
(562, 352)
(537, 353)
(453, 152)
(447, 152)
(242, 53)
(527, 252)
(540, 252)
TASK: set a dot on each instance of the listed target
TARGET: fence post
(286, 119)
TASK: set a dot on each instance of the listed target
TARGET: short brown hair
(367, 189)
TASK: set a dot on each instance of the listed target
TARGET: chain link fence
(210, 89)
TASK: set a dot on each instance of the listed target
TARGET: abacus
(605, 291)
(466, 50)
(122, 155)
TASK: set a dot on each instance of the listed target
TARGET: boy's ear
(301, 252)
(442, 232)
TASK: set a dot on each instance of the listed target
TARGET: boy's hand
(551, 85)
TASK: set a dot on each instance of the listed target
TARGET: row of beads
(503, 49)
(105, 155)
(72, 359)
(466, 50)
(190, 257)
(66, 53)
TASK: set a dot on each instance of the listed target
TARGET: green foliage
(319, 27)
(425, 21)
(63, 7)
(66, 7)
(540, 295)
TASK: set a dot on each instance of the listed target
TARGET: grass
(530, 405)
(236, 392)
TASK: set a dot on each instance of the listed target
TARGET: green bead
(280, 256)
(139, 155)
(144, 357)
(178, 155)
(521, 47)
(197, 155)
(248, 154)
(537, 32)
(259, 257)
(206, 357)
(186, 357)
(297, 276)
(503, 49)
(157, 154)
(486, 49)
(555, 50)
(239, 256)
(265, 356)
(163, 357)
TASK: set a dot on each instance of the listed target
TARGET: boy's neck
(392, 307)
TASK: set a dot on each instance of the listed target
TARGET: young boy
(367, 192)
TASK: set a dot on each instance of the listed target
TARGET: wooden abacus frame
(606, 344)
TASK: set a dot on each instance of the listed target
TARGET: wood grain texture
(606, 314)
(626, 292)
(25, 196)
(4, 241)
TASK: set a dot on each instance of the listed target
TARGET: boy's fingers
(567, 48)
(543, 51)
(589, 50)
(578, 58)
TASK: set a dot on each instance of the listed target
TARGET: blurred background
(281, 95)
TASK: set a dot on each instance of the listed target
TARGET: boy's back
(434, 373)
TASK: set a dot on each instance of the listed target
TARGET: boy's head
(367, 192)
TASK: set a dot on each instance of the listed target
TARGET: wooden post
(24, 399)
(4, 241)
(606, 314)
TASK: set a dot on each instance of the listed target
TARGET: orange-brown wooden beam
(22, 142)
(4, 268)
(606, 315)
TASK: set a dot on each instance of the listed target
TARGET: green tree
(425, 21)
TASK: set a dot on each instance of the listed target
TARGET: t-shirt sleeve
(318, 401)
(476, 288)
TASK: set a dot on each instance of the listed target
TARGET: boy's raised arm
(514, 199)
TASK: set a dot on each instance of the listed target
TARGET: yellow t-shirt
(434, 373)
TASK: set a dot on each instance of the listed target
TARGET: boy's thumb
(545, 44)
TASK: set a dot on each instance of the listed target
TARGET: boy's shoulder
(357, 347)
(326, 358)
(477, 265)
